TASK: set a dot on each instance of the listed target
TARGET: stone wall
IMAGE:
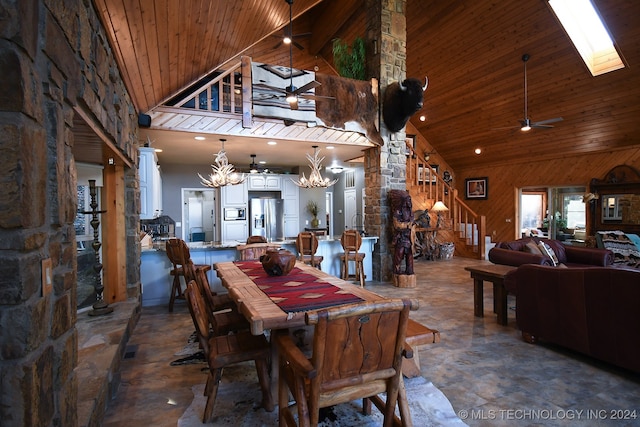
(385, 167)
(54, 56)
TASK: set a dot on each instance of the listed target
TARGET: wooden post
(404, 280)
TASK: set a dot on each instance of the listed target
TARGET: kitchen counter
(155, 266)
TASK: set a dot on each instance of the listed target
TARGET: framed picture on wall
(433, 172)
(410, 141)
(476, 188)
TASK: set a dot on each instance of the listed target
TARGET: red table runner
(297, 291)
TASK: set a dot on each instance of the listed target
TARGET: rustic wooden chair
(256, 239)
(307, 245)
(351, 242)
(357, 353)
(253, 251)
(179, 255)
(224, 350)
(223, 310)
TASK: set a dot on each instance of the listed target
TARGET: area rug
(238, 404)
(190, 353)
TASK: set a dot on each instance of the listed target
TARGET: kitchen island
(155, 266)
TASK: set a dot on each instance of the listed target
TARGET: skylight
(584, 26)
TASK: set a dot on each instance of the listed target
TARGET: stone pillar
(54, 57)
(385, 167)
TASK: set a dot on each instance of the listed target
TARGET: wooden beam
(114, 245)
(247, 92)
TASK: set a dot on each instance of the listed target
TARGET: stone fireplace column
(385, 166)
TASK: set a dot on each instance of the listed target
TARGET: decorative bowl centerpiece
(278, 262)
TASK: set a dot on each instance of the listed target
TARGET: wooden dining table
(263, 311)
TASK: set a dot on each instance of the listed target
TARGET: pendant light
(253, 168)
(223, 172)
(315, 179)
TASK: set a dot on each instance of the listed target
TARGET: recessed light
(478, 151)
(423, 118)
(262, 162)
(330, 147)
(272, 143)
(199, 138)
(158, 150)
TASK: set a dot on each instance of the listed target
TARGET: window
(532, 205)
(574, 210)
(611, 208)
(588, 34)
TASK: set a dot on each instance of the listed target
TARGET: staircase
(460, 224)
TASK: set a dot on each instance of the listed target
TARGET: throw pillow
(532, 248)
(548, 251)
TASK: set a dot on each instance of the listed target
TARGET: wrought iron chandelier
(315, 179)
(223, 172)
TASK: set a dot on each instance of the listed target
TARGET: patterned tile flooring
(490, 376)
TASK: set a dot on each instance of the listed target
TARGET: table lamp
(439, 208)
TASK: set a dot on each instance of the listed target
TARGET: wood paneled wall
(504, 180)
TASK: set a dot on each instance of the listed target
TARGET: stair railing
(426, 187)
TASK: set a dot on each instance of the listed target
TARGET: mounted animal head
(401, 101)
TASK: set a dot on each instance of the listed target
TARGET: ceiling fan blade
(306, 87)
(315, 97)
(546, 122)
(269, 87)
(298, 45)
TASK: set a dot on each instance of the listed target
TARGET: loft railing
(424, 182)
(227, 92)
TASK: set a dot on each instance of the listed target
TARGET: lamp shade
(439, 207)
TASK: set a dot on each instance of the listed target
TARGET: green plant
(312, 208)
(561, 223)
(350, 60)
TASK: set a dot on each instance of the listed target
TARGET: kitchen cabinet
(291, 196)
(150, 184)
(234, 195)
(235, 230)
(264, 182)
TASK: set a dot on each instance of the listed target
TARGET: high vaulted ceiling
(470, 49)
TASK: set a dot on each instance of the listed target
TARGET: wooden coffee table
(495, 274)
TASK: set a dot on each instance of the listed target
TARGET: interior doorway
(198, 215)
(328, 200)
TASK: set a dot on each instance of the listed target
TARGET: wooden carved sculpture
(403, 223)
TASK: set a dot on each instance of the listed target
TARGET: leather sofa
(515, 253)
(591, 310)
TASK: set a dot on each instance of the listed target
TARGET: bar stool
(351, 241)
(179, 255)
(307, 245)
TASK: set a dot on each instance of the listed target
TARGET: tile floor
(490, 376)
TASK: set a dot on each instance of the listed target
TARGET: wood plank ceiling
(470, 49)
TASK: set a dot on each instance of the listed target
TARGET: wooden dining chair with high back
(223, 350)
(179, 255)
(357, 353)
(253, 251)
(226, 316)
(307, 246)
(256, 238)
(351, 242)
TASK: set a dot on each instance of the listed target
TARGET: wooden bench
(417, 336)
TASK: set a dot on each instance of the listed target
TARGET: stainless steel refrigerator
(267, 218)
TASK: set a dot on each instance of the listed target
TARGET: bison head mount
(401, 101)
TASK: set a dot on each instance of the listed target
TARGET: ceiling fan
(292, 93)
(526, 123)
(288, 38)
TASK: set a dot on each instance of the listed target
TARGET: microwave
(235, 214)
